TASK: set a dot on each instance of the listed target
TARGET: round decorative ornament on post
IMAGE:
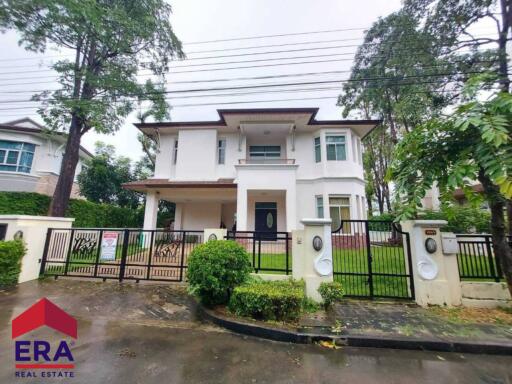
(431, 245)
(317, 243)
(212, 236)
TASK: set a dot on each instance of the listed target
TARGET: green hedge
(86, 213)
(269, 300)
(11, 253)
(461, 219)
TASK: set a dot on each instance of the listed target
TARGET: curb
(355, 340)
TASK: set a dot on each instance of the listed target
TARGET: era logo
(41, 351)
(44, 312)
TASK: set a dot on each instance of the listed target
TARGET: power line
(259, 86)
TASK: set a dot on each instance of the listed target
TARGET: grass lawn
(353, 263)
(476, 268)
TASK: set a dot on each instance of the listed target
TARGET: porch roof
(141, 185)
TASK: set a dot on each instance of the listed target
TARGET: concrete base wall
(485, 294)
(33, 230)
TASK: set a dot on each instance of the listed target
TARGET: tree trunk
(60, 201)
(509, 216)
(502, 250)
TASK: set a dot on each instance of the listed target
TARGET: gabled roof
(27, 125)
(223, 113)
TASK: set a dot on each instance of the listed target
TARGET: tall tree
(452, 21)
(399, 76)
(111, 40)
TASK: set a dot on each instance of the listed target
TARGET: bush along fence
(86, 213)
(476, 258)
(11, 253)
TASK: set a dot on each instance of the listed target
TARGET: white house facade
(257, 170)
(30, 158)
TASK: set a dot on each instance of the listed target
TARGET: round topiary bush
(215, 269)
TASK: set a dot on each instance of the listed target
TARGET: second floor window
(175, 152)
(318, 153)
(319, 207)
(221, 151)
(265, 151)
(16, 156)
(336, 147)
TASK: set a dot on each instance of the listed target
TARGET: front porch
(217, 204)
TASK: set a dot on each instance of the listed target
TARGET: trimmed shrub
(11, 253)
(215, 269)
(86, 213)
(331, 292)
(269, 300)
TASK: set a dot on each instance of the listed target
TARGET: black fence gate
(269, 252)
(373, 259)
(123, 254)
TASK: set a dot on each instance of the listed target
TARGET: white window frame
(346, 229)
(19, 152)
(264, 154)
(221, 151)
(319, 205)
(318, 147)
(327, 144)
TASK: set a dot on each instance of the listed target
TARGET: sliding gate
(122, 254)
(373, 259)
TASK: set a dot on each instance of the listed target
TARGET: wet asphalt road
(148, 334)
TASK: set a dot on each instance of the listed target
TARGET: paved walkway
(391, 319)
(148, 334)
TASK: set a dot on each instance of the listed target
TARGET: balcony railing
(266, 161)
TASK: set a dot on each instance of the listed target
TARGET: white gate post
(214, 234)
(312, 255)
(33, 230)
(434, 264)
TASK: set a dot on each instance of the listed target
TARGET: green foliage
(461, 219)
(102, 177)
(86, 213)
(472, 145)
(215, 269)
(331, 292)
(24, 203)
(269, 300)
(11, 253)
(110, 41)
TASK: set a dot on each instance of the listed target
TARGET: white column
(241, 209)
(291, 209)
(151, 210)
(178, 215)
(314, 266)
(435, 273)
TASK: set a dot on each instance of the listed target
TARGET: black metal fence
(477, 260)
(269, 251)
(122, 254)
(372, 259)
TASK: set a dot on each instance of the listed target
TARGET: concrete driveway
(149, 334)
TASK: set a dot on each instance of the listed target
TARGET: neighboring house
(265, 169)
(30, 158)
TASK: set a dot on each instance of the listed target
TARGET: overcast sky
(198, 21)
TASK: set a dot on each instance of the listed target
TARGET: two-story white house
(30, 158)
(263, 169)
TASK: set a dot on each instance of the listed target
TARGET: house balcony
(267, 161)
